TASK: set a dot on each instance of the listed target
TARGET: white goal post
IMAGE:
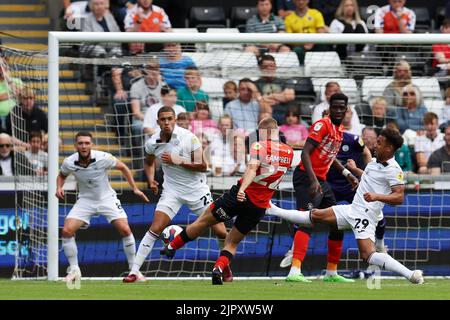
(55, 38)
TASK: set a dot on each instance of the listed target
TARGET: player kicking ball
(184, 166)
(247, 201)
(381, 183)
(95, 197)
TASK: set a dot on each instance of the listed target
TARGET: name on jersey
(274, 158)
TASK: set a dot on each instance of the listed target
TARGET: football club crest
(318, 126)
(345, 148)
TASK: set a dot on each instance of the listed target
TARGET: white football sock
(129, 247)
(145, 247)
(385, 261)
(70, 250)
(295, 216)
(379, 244)
(331, 273)
(294, 271)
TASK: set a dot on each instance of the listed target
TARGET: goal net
(108, 95)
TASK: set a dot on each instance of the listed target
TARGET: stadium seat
(213, 86)
(429, 87)
(423, 21)
(440, 16)
(435, 105)
(305, 96)
(374, 87)
(215, 107)
(235, 64)
(359, 65)
(223, 46)
(348, 87)
(320, 63)
(240, 15)
(185, 30)
(287, 64)
(208, 62)
(207, 17)
(367, 12)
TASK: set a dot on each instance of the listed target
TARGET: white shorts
(110, 208)
(362, 224)
(170, 202)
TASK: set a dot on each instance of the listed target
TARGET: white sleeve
(412, 22)
(149, 147)
(191, 143)
(147, 123)
(166, 21)
(65, 168)
(336, 26)
(317, 113)
(108, 161)
(419, 144)
(379, 17)
(395, 177)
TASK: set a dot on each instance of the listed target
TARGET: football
(170, 232)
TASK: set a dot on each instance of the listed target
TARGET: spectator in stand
(100, 20)
(395, 18)
(222, 146)
(173, 64)
(230, 92)
(285, 7)
(295, 132)
(445, 119)
(35, 119)
(246, 108)
(305, 20)
(328, 9)
(348, 20)
(441, 52)
(146, 17)
(402, 155)
(369, 137)
(9, 157)
(144, 93)
(410, 115)
(188, 96)
(35, 155)
(168, 99)
(274, 90)
(428, 142)
(183, 120)
(74, 9)
(439, 161)
(381, 114)
(119, 10)
(265, 22)
(202, 121)
(9, 89)
(347, 123)
(331, 88)
(402, 77)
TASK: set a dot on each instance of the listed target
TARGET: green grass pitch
(237, 290)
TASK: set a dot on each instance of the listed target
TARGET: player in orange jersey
(247, 201)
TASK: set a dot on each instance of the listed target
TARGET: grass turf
(238, 290)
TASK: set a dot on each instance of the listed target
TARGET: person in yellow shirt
(305, 20)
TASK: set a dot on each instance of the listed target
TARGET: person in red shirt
(441, 52)
(247, 201)
(312, 190)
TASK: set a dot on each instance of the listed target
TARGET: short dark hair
(292, 111)
(339, 96)
(35, 134)
(165, 89)
(393, 137)
(445, 23)
(83, 134)
(201, 105)
(183, 116)
(245, 80)
(166, 109)
(266, 57)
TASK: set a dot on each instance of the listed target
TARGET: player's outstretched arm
(351, 165)
(247, 179)
(59, 186)
(396, 197)
(149, 169)
(129, 176)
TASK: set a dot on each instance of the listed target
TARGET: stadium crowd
(171, 78)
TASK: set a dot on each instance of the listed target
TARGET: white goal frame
(54, 39)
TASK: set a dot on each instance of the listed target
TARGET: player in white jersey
(184, 167)
(381, 182)
(95, 197)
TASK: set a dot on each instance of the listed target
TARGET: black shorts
(247, 214)
(301, 187)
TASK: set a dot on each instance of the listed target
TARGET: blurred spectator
(274, 90)
(119, 10)
(202, 121)
(144, 93)
(36, 156)
(9, 157)
(402, 155)
(239, 155)
(348, 20)
(183, 120)
(305, 20)
(173, 64)
(74, 12)
(188, 96)
(222, 146)
(441, 52)
(146, 17)
(295, 132)
(445, 119)
(206, 146)
(402, 77)
(168, 99)
(395, 18)
(285, 7)
(429, 142)
(328, 9)
(9, 89)
(411, 113)
(265, 22)
(380, 114)
(230, 92)
(349, 126)
(34, 118)
(246, 108)
(331, 88)
(439, 161)
(100, 20)
(369, 137)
